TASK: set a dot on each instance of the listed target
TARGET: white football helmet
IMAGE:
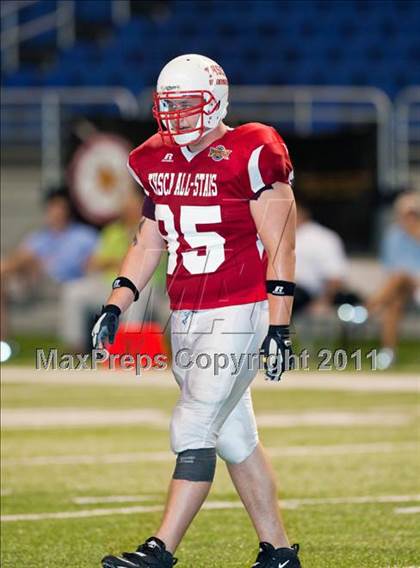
(191, 98)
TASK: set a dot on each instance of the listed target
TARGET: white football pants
(215, 358)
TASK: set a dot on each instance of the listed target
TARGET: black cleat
(151, 554)
(270, 557)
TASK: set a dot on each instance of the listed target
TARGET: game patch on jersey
(219, 153)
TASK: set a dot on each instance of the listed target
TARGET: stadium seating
(271, 42)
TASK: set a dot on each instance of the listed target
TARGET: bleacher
(336, 42)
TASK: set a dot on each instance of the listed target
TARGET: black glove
(106, 326)
(277, 351)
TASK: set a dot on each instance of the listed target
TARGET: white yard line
(133, 457)
(358, 381)
(211, 505)
(164, 456)
(287, 503)
(79, 417)
(363, 500)
(332, 418)
(344, 449)
(113, 499)
(407, 510)
(81, 514)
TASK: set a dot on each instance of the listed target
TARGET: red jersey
(201, 202)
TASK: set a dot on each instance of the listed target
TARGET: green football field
(85, 465)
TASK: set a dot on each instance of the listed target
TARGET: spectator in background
(48, 257)
(320, 265)
(80, 297)
(401, 260)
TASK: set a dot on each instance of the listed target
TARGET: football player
(219, 200)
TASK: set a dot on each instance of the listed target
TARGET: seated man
(320, 265)
(55, 254)
(80, 297)
(401, 259)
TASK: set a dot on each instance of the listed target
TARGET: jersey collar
(188, 155)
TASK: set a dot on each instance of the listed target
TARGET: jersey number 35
(190, 217)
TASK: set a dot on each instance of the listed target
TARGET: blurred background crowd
(339, 79)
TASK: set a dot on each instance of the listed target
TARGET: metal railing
(14, 33)
(407, 136)
(46, 109)
(37, 117)
(304, 108)
(61, 19)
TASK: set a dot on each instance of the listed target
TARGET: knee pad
(196, 465)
